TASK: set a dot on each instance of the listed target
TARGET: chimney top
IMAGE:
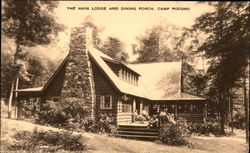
(89, 36)
(81, 37)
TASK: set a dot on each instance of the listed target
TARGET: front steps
(137, 132)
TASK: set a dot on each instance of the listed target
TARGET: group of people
(155, 120)
(143, 116)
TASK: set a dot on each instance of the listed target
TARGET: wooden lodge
(116, 88)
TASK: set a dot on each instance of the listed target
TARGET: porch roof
(29, 92)
(185, 96)
(37, 89)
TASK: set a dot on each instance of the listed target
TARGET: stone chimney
(78, 81)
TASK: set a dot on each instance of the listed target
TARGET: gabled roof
(55, 73)
(120, 63)
(158, 81)
(162, 80)
(122, 86)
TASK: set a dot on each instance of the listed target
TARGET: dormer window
(123, 72)
(128, 76)
(120, 74)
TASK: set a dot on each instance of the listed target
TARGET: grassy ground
(106, 144)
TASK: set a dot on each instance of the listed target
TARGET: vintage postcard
(125, 76)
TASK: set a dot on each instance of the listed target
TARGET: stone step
(138, 129)
(138, 133)
(135, 136)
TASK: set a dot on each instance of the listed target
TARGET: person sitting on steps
(153, 122)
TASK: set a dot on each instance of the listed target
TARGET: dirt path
(106, 144)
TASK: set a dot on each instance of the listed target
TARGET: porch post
(10, 100)
(119, 109)
(16, 100)
(141, 105)
(205, 112)
(134, 108)
(158, 107)
(175, 109)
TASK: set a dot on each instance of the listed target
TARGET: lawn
(107, 144)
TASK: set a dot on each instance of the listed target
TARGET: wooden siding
(103, 86)
(197, 117)
(124, 118)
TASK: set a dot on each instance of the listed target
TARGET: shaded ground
(106, 144)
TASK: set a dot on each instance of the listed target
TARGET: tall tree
(115, 49)
(227, 45)
(170, 43)
(167, 43)
(29, 23)
(149, 47)
(112, 46)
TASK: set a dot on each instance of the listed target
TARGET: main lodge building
(112, 87)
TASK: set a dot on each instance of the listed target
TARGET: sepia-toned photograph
(125, 76)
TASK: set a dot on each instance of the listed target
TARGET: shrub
(54, 141)
(91, 126)
(239, 119)
(64, 112)
(104, 123)
(174, 133)
(206, 128)
(29, 108)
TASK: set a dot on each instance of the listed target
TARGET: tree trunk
(231, 114)
(222, 114)
(246, 102)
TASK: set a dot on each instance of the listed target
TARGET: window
(129, 77)
(126, 108)
(120, 74)
(106, 102)
(124, 75)
(136, 80)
